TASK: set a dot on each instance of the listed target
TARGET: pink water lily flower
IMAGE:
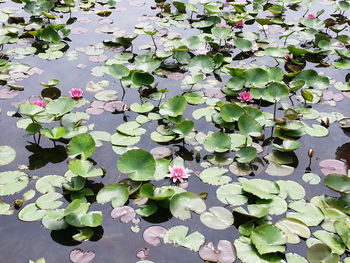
(40, 103)
(310, 16)
(239, 24)
(178, 173)
(220, 25)
(76, 93)
(245, 96)
(202, 51)
(255, 47)
(288, 56)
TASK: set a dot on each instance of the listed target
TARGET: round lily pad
(7, 155)
(217, 217)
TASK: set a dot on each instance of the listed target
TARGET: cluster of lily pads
(230, 120)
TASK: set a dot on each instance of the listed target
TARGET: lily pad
(7, 155)
(177, 236)
(217, 217)
(139, 164)
(268, 239)
(116, 193)
(181, 204)
(214, 176)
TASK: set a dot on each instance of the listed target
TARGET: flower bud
(310, 153)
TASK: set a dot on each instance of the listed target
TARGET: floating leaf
(293, 228)
(173, 107)
(177, 236)
(116, 193)
(321, 253)
(268, 239)
(82, 144)
(139, 164)
(31, 213)
(338, 182)
(231, 194)
(217, 218)
(12, 182)
(7, 155)
(125, 213)
(154, 234)
(225, 252)
(261, 188)
(214, 176)
(181, 204)
(78, 256)
(217, 142)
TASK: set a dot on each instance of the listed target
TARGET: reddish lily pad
(331, 166)
(154, 234)
(79, 256)
(225, 253)
(125, 213)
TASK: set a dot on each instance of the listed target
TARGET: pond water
(176, 71)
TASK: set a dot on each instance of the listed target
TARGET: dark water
(21, 241)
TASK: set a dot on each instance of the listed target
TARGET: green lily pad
(12, 182)
(246, 154)
(268, 239)
(261, 188)
(321, 253)
(247, 253)
(231, 194)
(337, 182)
(256, 77)
(202, 63)
(307, 213)
(293, 229)
(120, 139)
(82, 144)
(181, 204)
(60, 106)
(231, 112)
(217, 142)
(139, 164)
(118, 71)
(311, 178)
(153, 193)
(7, 155)
(214, 176)
(287, 145)
(217, 217)
(173, 107)
(333, 241)
(177, 236)
(31, 213)
(141, 108)
(295, 258)
(49, 201)
(243, 44)
(54, 133)
(116, 193)
(131, 128)
(248, 126)
(84, 168)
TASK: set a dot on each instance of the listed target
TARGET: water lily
(202, 51)
(255, 47)
(76, 93)
(40, 103)
(220, 25)
(288, 56)
(310, 16)
(178, 173)
(245, 96)
(239, 24)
